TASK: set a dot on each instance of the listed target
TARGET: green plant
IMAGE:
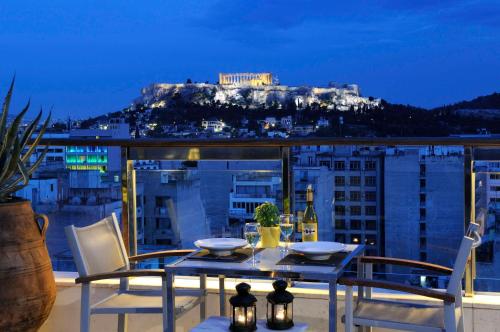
(267, 214)
(16, 148)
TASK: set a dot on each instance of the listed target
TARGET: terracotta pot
(27, 286)
(270, 237)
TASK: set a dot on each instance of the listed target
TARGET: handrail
(277, 142)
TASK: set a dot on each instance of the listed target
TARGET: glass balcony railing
(400, 197)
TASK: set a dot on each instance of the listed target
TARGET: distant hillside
(483, 107)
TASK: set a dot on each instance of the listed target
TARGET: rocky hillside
(333, 97)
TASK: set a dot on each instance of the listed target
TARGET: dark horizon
(92, 58)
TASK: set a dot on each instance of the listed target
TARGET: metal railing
(268, 149)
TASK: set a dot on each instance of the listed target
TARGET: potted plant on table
(28, 289)
(267, 215)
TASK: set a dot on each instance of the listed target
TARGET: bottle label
(309, 232)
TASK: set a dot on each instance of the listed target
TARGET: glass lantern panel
(280, 312)
(250, 315)
(289, 312)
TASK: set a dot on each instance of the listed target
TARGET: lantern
(243, 310)
(279, 307)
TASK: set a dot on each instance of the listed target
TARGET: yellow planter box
(270, 237)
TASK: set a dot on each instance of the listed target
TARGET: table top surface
(266, 266)
(214, 324)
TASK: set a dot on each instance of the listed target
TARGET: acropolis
(252, 79)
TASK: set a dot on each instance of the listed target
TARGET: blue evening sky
(90, 57)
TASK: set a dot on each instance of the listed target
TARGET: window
(355, 224)
(51, 187)
(310, 161)
(422, 183)
(371, 225)
(325, 163)
(370, 210)
(355, 196)
(494, 176)
(339, 165)
(423, 242)
(422, 227)
(370, 165)
(370, 181)
(340, 238)
(340, 196)
(355, 180)
(340, 181)
(339, 223)
(422, 169)
(370, 196)
(339, 210)
(495, 188)
(356, 238)
(423, 213)
(371, 239)
(355, 210)
(355, 165)
(423, 256)
(422, 198)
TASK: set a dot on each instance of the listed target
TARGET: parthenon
(253, 79)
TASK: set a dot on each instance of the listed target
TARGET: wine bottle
(310, 220)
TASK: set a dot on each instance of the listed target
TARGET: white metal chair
(445, 316)
(99, 253)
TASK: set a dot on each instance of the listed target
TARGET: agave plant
(16, 148)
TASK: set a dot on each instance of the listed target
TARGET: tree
(189, 81)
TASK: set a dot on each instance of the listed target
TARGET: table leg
(203, 300)
(332, 306)
(222, 296)
(170, 302)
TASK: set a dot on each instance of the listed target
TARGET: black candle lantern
(243, 310)
(279, 307)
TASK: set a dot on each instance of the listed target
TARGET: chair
(444, 316)
(99, 253)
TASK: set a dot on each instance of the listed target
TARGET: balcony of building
(405, 218)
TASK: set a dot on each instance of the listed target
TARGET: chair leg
(349, 326)
(122, 323)
(85, 308)
(450, 319)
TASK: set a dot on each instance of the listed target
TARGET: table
(220, 324)
(266, 267)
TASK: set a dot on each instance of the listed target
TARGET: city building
(248, 192)
(348, 193)
(99, 158)
(251, 79)
(424, 209)
(213, 125)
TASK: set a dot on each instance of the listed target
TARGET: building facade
(251, 79)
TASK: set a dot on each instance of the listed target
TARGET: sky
(86, 58)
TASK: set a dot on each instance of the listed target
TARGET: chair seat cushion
(388, 313)
(143, 302)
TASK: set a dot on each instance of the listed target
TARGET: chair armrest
(447, 297)
(160, 254)
(406, 262)
(120, 274)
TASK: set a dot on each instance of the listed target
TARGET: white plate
(319, 250)
(221, 246)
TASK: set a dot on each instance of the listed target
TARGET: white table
(221, 324)
(266, 266)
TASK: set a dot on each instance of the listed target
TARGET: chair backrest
(471, 239)
(98, 248)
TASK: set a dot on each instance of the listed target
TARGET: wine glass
(286, 227)
(252, 235)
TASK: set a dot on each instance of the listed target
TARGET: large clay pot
(27, 286)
